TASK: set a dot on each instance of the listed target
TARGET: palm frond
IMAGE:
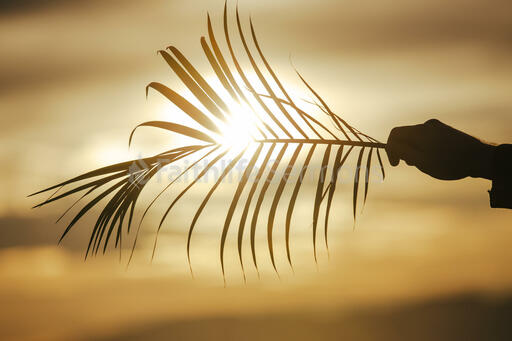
(279, 125)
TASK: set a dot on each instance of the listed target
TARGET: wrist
(483, 161)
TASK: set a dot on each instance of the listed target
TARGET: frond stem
(329, 142)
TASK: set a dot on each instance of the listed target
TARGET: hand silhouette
(440, 151)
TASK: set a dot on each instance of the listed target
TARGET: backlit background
(425, 253)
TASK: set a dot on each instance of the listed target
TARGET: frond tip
(277, 125)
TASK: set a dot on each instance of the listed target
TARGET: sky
(72, 87)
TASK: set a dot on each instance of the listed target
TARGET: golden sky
(72, 78)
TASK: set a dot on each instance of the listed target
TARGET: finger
(392, 157)
(412, 135)
(434, 123)
(407, 135)
(411, 155)
(390, 146)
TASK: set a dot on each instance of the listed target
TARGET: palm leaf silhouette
(279, 125)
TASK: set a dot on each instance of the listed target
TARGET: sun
(238, 132)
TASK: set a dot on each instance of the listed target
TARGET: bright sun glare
(238, 132)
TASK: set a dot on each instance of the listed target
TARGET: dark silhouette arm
(501, 192)
(448, 154)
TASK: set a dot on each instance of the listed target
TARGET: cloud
(39, 231)
(18, 231)
(440, 318)
(388, 25)
(11, 7)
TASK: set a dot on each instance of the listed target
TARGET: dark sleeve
(501, 191)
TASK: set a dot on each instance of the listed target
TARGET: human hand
(440, 151)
